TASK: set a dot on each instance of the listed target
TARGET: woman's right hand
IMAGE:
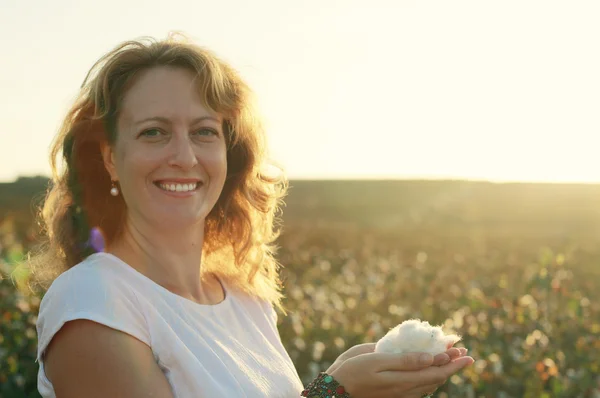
(383, 375)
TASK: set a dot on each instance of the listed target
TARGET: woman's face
(170, 153)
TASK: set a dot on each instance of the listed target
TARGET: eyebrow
(166, 120)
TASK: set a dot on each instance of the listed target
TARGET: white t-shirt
(231, 349)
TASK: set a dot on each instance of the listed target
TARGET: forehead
(164, 91)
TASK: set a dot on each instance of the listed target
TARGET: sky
(483, 90)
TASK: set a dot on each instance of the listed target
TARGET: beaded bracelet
(324, 386)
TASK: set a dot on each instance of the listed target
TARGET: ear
(109, 160)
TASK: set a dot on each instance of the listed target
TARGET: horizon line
(391, 179)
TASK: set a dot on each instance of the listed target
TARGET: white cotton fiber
(416, 336)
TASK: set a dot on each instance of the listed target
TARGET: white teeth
(178, 187)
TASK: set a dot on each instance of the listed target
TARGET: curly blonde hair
(241, 228)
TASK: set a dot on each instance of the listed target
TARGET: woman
(162, 155)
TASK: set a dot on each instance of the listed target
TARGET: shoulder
(92, 290)
(95, 270)
(95, 281)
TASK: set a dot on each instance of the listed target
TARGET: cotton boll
(416, 336)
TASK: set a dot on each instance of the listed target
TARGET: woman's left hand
(366, 348)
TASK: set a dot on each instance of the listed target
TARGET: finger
(453, 352)
(356, 350)
(441, 359)
(364, 348)
(445, 357)
(456, 365)
(463, 351)
(402, 362)
(432, 374)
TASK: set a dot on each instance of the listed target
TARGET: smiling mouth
(177, 187)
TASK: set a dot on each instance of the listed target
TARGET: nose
(182, 152)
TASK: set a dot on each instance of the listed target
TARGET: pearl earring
(114, 191)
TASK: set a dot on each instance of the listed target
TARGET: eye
(151, 133)
(207, 132)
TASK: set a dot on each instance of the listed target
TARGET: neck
(170, 257)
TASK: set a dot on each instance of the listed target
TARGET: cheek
(135, 163)
(216, 163)
(224, 162)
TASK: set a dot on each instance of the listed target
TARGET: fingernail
(465, 361)
(426, 358)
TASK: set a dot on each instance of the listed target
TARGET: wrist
(324, 385)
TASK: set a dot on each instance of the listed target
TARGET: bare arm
(88, 359)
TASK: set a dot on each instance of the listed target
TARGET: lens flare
(96, 240)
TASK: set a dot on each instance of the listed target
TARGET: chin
(177, 218)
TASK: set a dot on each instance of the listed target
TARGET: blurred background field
(513, 268)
